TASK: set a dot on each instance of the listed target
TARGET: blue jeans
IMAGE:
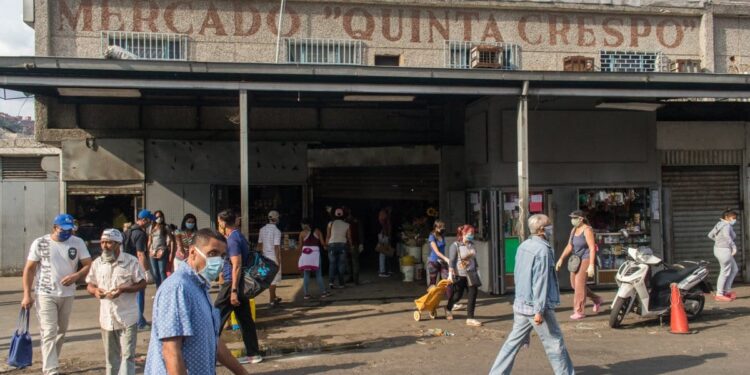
(318, 277)
(141, 306)
(159, 269)
(337, 262)
(549, 333)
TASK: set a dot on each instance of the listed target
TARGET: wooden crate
(578, 64)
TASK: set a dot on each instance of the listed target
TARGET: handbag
(257, 277)
(574, 263)
(20, 354)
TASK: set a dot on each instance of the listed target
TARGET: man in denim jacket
(537, 295)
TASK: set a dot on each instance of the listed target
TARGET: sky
(16, 39)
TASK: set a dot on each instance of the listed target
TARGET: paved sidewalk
(369, 329)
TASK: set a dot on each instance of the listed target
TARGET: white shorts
(277, 279)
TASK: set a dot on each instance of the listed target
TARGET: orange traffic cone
(678, 321)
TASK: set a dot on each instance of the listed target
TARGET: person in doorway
(462, 263)
(537, 295)
(53, 262)
(437, 262)
(118, 219)
(724, 250)
(160, 242)
(384, 219)
(136, 244)
(185, 236)
(115, 279)
(186, 338)
(355, 248)
(310, 245)
(269, 242)
(582, 246)
(339, 237)
(228, 299)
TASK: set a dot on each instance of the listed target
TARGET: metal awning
(44, 75)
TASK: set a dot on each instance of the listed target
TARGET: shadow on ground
(650, 366)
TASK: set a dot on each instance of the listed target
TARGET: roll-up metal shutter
(105, 188)
(418, 182)
(698, 195)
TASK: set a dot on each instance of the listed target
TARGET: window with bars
(324, 51)
(22, 168)
(473, 55)
(147, 46)
(641, 62)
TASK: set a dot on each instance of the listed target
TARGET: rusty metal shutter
(22, 168)
(698, 196)
(418, 182)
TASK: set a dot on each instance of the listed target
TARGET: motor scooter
(644, 286)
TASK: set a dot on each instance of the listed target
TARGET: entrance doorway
(95, 213)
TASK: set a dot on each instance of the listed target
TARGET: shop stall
(621, 218)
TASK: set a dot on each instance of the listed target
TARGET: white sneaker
(458, 306)
(250, 359)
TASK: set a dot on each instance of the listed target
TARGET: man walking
(53, 262)
(269, 242)
(354, 250)
(185, 334)
(339, 238)
(136, 244)
(115, 279)
(537, 295)
(228, 300)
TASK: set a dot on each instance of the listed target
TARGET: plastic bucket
(416, 252)
(418, 271)
(408, 272)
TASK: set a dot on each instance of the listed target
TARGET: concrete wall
(694, 135)
(224, 30)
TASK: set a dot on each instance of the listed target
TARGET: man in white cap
(115, 279)
(269, 242)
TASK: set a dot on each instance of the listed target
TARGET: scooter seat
(663, 279)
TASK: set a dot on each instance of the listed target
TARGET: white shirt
(56, 261)
(339, 229)
(121, 312)
(269, 237)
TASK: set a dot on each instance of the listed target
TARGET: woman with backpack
(160, 246)
(724, 250)
(310, 245)
(465, 271)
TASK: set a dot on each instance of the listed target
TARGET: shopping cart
(430, 301)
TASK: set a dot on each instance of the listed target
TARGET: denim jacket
(537, 288)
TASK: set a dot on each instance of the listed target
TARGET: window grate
(638, 62)
(147, 46)
(22, 168)
(324, 51)
(504, 56)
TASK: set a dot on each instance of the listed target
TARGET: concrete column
(523, 161)
(706, 41)
(244, 164)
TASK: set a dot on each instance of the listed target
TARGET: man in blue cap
(53, 263)
(136, 244)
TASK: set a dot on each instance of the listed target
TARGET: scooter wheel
(417, 316)
(433, 314)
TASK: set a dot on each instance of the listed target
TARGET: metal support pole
(244, 165)
(523, 161)
(278, 29)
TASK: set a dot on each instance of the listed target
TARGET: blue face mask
(213, 266)
(733, 221)
(548, 231)
(64, 235)
(190, 225)
(469, 237)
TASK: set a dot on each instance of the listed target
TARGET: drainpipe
(523, 161)
(279, 28)
(244, 165)
(63, 187)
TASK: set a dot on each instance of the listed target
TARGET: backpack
(127, 243)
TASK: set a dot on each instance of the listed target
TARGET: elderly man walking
(115, 279)
(53, 263)
(537, 295)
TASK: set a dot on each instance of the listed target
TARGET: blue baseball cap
(145, 214)
(64, 221)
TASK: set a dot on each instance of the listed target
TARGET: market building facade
(377, 103)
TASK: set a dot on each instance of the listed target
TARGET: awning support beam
(244, 165)
(523, 161)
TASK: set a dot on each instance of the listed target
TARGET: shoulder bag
(258, 276)
(20, 354)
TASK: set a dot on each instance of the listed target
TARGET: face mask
(213, 266)
(469, 237)
(190, 225)
(733, 221)
(548, 231)
(64, 235)
(108, 256)
(576, 221)
(159, 220)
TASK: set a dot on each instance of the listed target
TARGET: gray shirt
(723, 235)
(466, 253)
